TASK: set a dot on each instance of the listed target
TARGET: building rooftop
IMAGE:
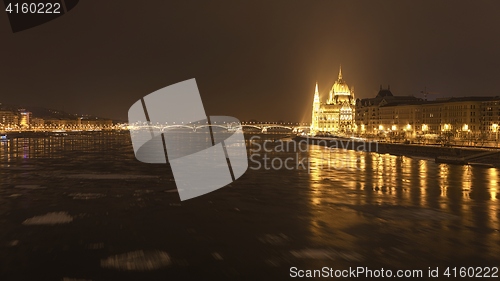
(384, 92)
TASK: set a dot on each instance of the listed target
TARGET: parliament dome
(340, 92)
(340, 87)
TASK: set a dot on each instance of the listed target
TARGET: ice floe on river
(49, 219)
(137, 261)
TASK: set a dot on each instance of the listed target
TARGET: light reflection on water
(456, 203)
(54, 146)
(335, 176)
(392, 210)
(402, 180)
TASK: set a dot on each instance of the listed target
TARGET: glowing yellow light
(425, 127)
(408, 127)
(394, 127)
(380, 127)
(465, 127)
(493, 183)
(494, 127)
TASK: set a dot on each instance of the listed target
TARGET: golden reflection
(361, 162)
(467, 209)
(466, 181)
(381, 167)
(493, 189)
(315, 173)
(378, 177)
(334, 175)
(422, 186)
(443, 179)
(391, 171)
(369, 179)
(422, 173)
(493, 183)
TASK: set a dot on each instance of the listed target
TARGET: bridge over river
(231, 126)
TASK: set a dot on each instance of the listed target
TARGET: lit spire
(340, 73)
(316, 94)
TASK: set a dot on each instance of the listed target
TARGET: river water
(83, 208)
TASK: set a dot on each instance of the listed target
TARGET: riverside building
(406, 117)
(466, 119)
(336, 115)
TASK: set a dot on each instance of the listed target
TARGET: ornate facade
(410, 117)
(337, 114)
(468, 120)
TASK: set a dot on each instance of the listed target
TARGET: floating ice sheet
(137, 261)
(86, 196)
(325, 254)
(416, 214)
(30, 186)
(49, 219)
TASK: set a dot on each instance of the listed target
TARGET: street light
(465, 128)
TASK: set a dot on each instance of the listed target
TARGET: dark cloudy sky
(251, 59)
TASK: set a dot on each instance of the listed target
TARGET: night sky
(251, 59)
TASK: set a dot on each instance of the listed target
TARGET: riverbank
(475, 156)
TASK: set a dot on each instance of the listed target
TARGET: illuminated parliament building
(337, 114)
(472, 118)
